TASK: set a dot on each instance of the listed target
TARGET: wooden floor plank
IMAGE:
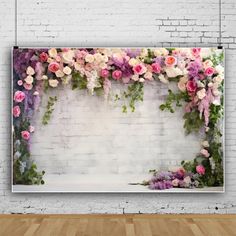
(117, 225)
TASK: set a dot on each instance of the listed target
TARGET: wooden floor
(117, 225)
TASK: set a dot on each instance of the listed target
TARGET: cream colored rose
(135, 77)
(148, 75)
(52, 52)
(200, 84)
(29, 79)
(182, 83)
(133, 62)
(59, 74)
(144, 52)
(49, 60)
(216, 92)
(98, 57)
(68, 56)
(30, 71)
(157, 52)
(210, 84)
(67, 70)
(89, 58)
(44, 77)
(105, 58)
(207, 63)
(164, 52)
(53, 83)
(205, 143)
(163, 79)
(201, 93)
(218, 79)
(205, 52)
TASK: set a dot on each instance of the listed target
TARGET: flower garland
(198, 73)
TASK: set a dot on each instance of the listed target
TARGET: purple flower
(123, 65)
(193, 69)
(133, 52)
(161, 185)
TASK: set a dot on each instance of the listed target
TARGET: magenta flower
(200, 169)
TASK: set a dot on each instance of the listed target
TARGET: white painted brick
(117, 23)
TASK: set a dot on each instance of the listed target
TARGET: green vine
(50, 109)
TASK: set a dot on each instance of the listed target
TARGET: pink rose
(181, 171)
(53, 67)
(200, 169)
(196, 52)
(205, 153)
(104, 73)
(43, 57)
(25, 135)
(170, 61)
(19, 96)
(191, 86)
(209, 71)
(16, 111)
(156, 67)
(117, 74)
(20, 82)
(139, 69)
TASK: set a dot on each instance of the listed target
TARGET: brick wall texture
(145, 23)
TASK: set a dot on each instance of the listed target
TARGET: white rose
(67, 70)
(29, 79)
(201, 93)
(173, 72)
(89, 58)
(59, 74)
(53, 83)
(141, 80)
(30, 71)
(164, 51)
(182, 83)
(52, 52)
(157, 52)
(163, 79)
(210, 84)
(205, 52)
(216, 92)
(219, 69)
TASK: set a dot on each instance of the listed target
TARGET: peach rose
(170, 61)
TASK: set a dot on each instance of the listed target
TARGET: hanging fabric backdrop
(117, 119)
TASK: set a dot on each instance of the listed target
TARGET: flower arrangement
(197, 72)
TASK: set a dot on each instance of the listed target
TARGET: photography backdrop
(118, 23)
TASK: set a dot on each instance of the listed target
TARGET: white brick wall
(88, 136)
(117, 23)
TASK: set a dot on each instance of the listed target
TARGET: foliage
(50, 109)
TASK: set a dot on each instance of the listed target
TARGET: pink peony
(104, 73)
(16, 111)
(191, 86)
(19, 96)
(209, 71)
(53, 67)
(156, 67)
(170, 61)
(28, 86)
(196, 51)
(200, 169)
(25, 135)
(43, 57)
(139, 69)
(205, 153)
(117, 74)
